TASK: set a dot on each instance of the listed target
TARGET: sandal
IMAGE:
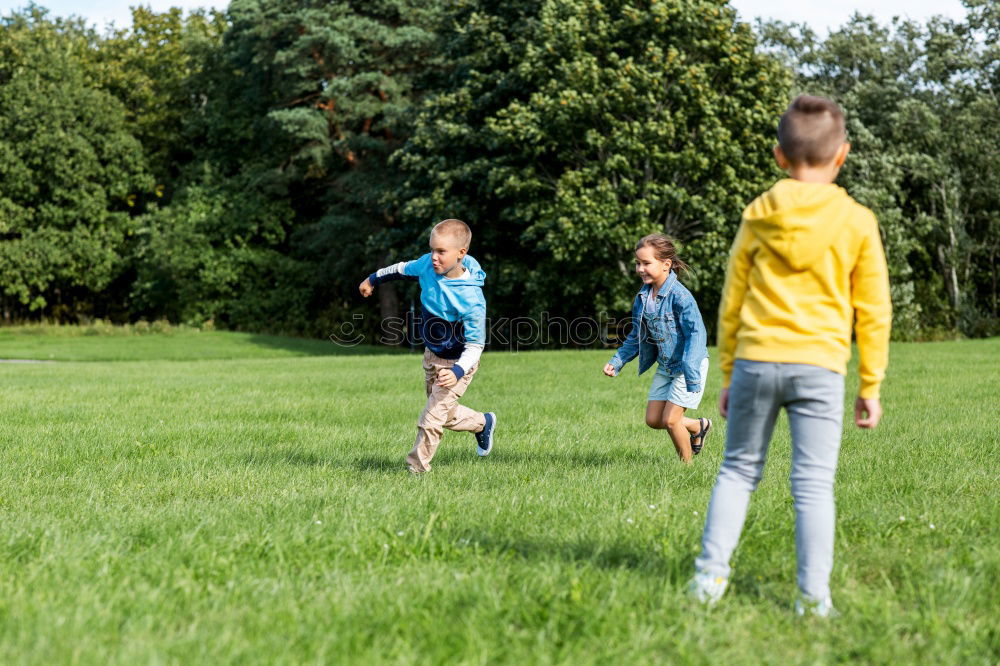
(698, 439)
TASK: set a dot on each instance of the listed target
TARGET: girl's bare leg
(680, 428)
(655, 414)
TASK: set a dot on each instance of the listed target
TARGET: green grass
(255, 511)
(115, 343)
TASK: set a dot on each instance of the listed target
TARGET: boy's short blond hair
(457, 229)
(812, 130)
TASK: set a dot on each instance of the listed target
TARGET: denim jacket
(673, 334)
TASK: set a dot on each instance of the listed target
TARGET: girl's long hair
(663, 249)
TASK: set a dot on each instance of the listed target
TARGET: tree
(305, 102)
(567, 129)
(922, 122)
(69, 174)
(153, 67)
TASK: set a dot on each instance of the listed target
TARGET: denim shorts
(673, 387)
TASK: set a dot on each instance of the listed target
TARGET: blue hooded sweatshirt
(453, 310)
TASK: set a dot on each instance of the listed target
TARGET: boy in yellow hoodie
(807, 264)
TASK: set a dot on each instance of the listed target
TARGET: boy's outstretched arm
(733, 292)
(366, 288)
(403, 270)
(873, 322)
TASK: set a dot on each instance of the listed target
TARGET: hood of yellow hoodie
(797, 220)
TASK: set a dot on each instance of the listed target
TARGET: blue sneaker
(484, 439)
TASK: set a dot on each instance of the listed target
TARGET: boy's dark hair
(812, 130)
(664, 249)
(457, 229)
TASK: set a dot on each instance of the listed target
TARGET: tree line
(248, 168)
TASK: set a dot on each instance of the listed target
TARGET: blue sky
(821, 15)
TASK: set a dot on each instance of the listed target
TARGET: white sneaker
(706, 588)
(822, 608)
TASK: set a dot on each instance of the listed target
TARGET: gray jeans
(814, 400)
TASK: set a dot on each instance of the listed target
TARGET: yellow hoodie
(807, 261)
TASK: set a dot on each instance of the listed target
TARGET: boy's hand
(609, 370)
(366, 288)
(867, 412)
(724, 403)
(447, 378)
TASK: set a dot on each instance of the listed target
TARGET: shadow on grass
(393, 465)
(674, 569)
(285, 457)
(547, 458)
(269, 457)
(461, 457)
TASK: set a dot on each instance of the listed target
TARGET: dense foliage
(70, 169)
(249, 168)
(568, 129)
(924, 122)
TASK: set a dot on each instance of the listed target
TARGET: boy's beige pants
(441, 411)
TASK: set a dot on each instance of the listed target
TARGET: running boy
(667, 329)
(806, 264)
(453, 327)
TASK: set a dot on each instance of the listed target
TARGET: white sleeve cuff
(469, 358)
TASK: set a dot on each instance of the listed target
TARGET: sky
(821, 15)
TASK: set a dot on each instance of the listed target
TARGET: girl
(667, 328)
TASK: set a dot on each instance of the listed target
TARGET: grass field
(211, 498)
